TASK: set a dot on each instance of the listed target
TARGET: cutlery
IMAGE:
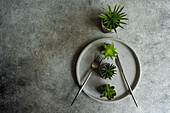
(122, 73)
(94, 66)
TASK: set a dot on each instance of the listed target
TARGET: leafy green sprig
(108, 91)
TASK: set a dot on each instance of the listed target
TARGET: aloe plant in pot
(111, 20)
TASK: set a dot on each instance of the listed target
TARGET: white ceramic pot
(106, 30)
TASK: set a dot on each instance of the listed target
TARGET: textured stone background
(40, 41)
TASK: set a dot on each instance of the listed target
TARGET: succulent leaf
(109, 9)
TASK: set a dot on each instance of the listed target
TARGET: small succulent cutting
(108, 91)
(108, 70)
(109, 51)
(112, 19)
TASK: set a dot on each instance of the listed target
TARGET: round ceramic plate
(129, 62)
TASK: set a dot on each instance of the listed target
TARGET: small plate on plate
(129, 62)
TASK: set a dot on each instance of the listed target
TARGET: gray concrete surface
(40, 41)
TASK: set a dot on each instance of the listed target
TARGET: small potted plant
(111, 20)
(108, 91)
(107, 70)
(109, 51)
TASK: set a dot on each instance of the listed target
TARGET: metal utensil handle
(129, 89)
(82, 87)
(121, 71)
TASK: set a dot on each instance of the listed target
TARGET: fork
(95, 65)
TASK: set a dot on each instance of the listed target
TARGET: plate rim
(133, 52)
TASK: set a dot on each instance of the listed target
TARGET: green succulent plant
(112, 19)
(108, 70)
(109, 51)
(108, 91)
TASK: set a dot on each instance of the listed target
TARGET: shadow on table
(74, 61)
(94, 20)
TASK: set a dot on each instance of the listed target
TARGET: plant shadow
(74, 61)
(94, 20)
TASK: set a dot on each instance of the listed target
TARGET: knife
(122, 73)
